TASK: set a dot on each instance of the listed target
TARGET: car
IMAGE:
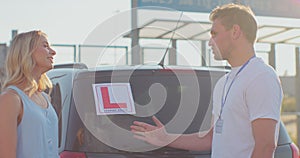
(179, 96)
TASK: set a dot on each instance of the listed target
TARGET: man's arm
(157, 135)
(264, 136)
(194, 141)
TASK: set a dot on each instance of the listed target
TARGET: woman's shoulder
(10, 96)
(10, 104)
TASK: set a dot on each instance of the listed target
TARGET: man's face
(220, 41)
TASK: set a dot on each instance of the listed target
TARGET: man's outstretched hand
(155, 135)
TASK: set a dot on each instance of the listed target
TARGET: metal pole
(74, 47)
(143, 55)
(203, 53)
(135, 47)
(297, 87)
(272, 58)
(126, 49)
(79, 53)
(172, 53)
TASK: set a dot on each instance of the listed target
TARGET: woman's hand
(155, 135)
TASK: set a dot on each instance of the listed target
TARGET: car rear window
(180, 99)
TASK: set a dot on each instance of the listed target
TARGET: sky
(71, 22)
(64, 21)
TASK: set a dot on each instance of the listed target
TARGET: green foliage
(288, 104)
(293, 137)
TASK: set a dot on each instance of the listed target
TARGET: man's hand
(155, 135)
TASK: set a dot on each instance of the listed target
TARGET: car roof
(156, 67)
(138, 67)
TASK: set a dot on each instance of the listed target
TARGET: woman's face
(43, 56)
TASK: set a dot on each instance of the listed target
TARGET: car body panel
(73, 100)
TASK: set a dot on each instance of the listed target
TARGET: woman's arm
(10, 110)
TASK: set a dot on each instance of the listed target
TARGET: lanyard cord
(223, 99)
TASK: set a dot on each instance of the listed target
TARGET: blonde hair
(231, 14)
(19, 63)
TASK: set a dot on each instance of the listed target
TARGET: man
(246, 101)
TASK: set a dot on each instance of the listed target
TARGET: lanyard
(223, 101)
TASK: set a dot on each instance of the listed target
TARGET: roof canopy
(197, 30)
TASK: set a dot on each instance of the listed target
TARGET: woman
(28, 122)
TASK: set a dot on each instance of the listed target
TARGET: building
(3, 52)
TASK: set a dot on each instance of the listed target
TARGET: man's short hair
(231, 14)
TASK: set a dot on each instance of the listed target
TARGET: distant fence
(92, 55)
(65, 52)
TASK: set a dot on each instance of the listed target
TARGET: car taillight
(68, 154)
(295, 150)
